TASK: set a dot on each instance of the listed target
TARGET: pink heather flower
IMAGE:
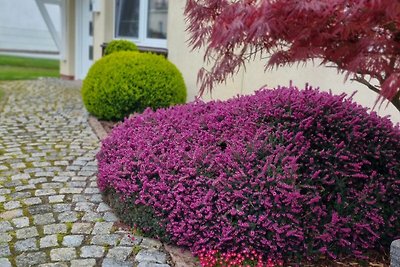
(278, 172)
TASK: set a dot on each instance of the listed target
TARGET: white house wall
(23, 28)
(245, 82)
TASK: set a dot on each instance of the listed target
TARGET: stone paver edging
(51, 211)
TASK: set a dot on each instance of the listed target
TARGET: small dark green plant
(126, 82)
(139, 217)
(120, 45)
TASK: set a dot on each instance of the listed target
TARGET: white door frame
(82, 61)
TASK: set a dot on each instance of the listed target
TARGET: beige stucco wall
(245, 82)
(67, 62)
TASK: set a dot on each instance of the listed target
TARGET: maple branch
(396, 101)
(363, 81)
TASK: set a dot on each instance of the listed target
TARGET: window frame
(142, 39)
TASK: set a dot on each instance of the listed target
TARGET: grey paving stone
(63, 254)
(44, 174)
(37, 180)
(103, 207)
(21, 222)
(73, 168)
(20, 176)
(26, 232)
(56, 198)
(84, 206)
(119, 253)
(61, 163)
(20, 195)
(24, 187)
(17, 165)
(91, 216)
(10, 214)
(62, 207)
(5, 237)
(30, 259)
(92, 190)
(102, 228)
(52, 185)
(96, 198)
(151, 255)
(152, 264)
(150, 243)
(130, 241)
(5, 226)
(4, 250)
(44, 192)
(61, 178)
(79, 198)
(4, 191)
(115, 263)
(55, 229)
(42, 219)
(102, 240)
(92, 251)
(110, 217)
(38, 154)
(82, 228)
(26, 245)
(32, 201)
(395, 253)
(83, 263)
(68, 216)
(40, 209)
(12, 205)
(49, 241)
(77, 184)
(41, 164)
(72, 240)
(71, 190)
(57, 264)
(79, 178)
(4, 262)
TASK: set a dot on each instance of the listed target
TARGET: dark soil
(108, 125)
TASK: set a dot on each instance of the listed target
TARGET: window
(142, 21)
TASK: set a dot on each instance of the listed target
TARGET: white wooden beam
(41, 4)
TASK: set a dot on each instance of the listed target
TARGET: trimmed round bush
(126, 82)
(120, 45)
(289, 174)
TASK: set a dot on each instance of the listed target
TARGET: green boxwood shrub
(127, 82)
(120, 45)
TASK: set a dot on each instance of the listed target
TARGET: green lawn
(21, 68)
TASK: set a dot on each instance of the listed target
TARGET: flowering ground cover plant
(288, 174)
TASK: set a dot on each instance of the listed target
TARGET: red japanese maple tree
(359, 37)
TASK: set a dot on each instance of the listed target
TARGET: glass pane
(90, 52)
(127, 18)
(90, 28)
(157, 19)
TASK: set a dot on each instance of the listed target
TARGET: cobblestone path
(51, 211)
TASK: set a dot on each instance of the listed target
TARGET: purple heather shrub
(287, 173)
